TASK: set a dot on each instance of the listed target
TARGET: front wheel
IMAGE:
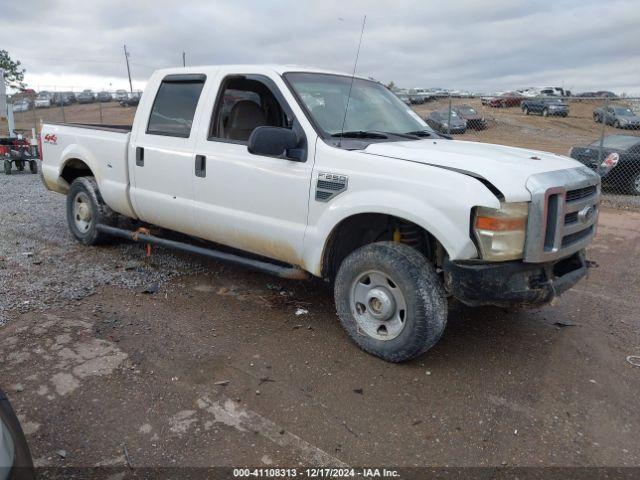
(526, 110)
(85, 210)
(390, 301)
(7, 167)
(545, 113)
(33, 166)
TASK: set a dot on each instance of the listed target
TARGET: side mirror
(275, 142)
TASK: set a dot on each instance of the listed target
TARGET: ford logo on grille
(586, 213)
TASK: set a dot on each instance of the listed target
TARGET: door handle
(140, 156)
(201, 166)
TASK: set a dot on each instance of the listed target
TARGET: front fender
(450, 228)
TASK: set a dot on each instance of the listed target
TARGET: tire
(7, 167)
(20, 165)
(83, 220)
(33, 166)
(526, 110)
(616, 124)
(634, 184)
(396, 269)
(545, 112)
(596, 118)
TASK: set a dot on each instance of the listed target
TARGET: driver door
(252, 202)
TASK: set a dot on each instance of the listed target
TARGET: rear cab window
(175, 105)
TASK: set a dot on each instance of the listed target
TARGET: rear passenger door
(161, 154)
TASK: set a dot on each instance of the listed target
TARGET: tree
(13, 71)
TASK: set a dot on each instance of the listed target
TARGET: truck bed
(96, 126)
(69, 148)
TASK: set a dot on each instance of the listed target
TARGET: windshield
(371, 106)
(467, 111)
(623, 111)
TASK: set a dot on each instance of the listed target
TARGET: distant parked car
(404, 97)
(43, 100)
(103, 97)
(473, 118)
(132, 100)
(505, 100)
(61, 99)
(73, 98)
(619, 163)
(23, 105)
(120, 95)
(442, 122)
(417, 96)
(620, 116)
(86, 97)
(545, 106)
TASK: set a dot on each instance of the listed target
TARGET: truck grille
(563, 213)
(580, 193)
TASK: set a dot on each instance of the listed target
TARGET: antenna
(353, 76)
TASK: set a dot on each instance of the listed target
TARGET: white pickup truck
(302, 170)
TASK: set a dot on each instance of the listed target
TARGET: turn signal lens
(501, 232)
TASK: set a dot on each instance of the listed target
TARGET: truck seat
(244, 117)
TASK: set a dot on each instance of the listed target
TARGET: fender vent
(329, 185)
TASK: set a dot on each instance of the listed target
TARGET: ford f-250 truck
(313, 171)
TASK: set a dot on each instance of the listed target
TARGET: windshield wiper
(360, 134)
(429, 133)
(421, 133)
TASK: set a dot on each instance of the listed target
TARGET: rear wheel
(390, 301)
(85, 210)
(20, 165)
(33, 166)
(7, 167)
(616, 124)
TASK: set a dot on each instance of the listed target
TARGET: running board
(292, 273)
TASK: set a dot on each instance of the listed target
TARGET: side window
(245, 103)
(175, 105)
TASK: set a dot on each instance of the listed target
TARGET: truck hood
(506, 168)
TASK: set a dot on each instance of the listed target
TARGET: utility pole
(126, 57)
(184, 62)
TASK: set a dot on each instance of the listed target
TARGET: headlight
(501, 232)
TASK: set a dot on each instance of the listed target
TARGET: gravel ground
(215, 367)
(38, 255)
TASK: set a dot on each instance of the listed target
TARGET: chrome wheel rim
(82, 216)
(378, 305)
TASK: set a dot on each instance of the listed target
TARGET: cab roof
(249, 68)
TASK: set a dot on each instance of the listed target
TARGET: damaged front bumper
(513, 283)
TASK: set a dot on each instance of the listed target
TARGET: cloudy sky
(478, 45)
